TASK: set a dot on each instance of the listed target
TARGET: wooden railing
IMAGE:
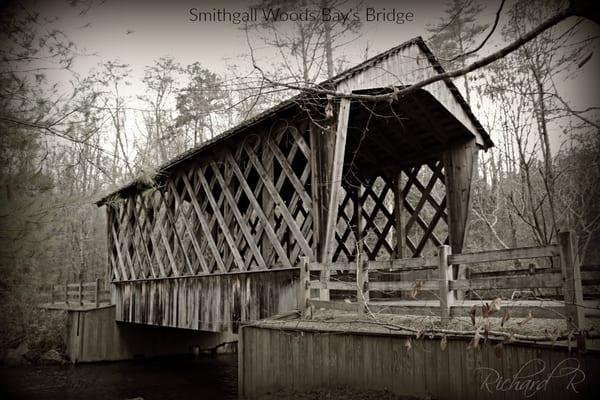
(79, 294)
(445, 288)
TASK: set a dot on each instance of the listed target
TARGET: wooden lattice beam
(387, 226)
(229, 214)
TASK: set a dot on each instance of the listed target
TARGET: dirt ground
(535, 326)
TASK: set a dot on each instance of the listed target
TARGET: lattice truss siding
(425, 220)
(246, 210)
(250, 210)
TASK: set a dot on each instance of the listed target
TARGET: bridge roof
(411, 60)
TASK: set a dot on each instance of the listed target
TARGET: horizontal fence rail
(79, 294)
(566, 278)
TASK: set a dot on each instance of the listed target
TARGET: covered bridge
(217, 237)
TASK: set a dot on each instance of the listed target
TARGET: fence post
(362, 283)
(304, 287)
(52, 294)
(66, 292)
(324, 279)
(80, 293)
(573, 293)
(97, 295)
(446, 295)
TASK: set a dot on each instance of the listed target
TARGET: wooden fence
(590, 277)
(79, 294)
(445, 287)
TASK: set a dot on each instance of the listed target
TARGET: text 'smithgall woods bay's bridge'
(217, 238)
(336, 203)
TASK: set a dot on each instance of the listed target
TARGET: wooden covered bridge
(218, 236)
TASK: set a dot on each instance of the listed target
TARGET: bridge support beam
(327, 165)
(460, 168)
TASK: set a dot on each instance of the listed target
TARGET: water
(205, 377)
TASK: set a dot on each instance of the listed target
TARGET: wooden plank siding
(276, 359)
(211, 303)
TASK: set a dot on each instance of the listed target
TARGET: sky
(141, 31)
(137, 32)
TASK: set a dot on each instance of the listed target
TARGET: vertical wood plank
(445, 275)
(326, 352)
(97, 293)
(573, 292)
(362, 282)
(460, 164)
(419, 377)
(241, 363)
(303, 287)
(444, 364)
(406, 367)
(335, 181)
(267, 202)
(469, 375)
(310, 357)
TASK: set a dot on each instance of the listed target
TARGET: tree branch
(397, 93)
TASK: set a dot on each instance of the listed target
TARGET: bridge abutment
(94, 335)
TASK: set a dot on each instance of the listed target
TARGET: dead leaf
(472, 313)
(443, 343)
(490, 308)
(408, 344)
(505, 317)
(418, 334)
(416, 289)
(485, 310)
(511, 337)
(347, 301)
(554, 336)
(476, 338)
(475, 341)
(526, 320)
(499, 350)
(496, 304)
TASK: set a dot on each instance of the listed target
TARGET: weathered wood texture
(301, 360)
(297, 182)
(224, 213)
(573, 292)
(215, 303)
(406, 64)
(356, 294)
(82, 294)
(424, 223)
(460, 164)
